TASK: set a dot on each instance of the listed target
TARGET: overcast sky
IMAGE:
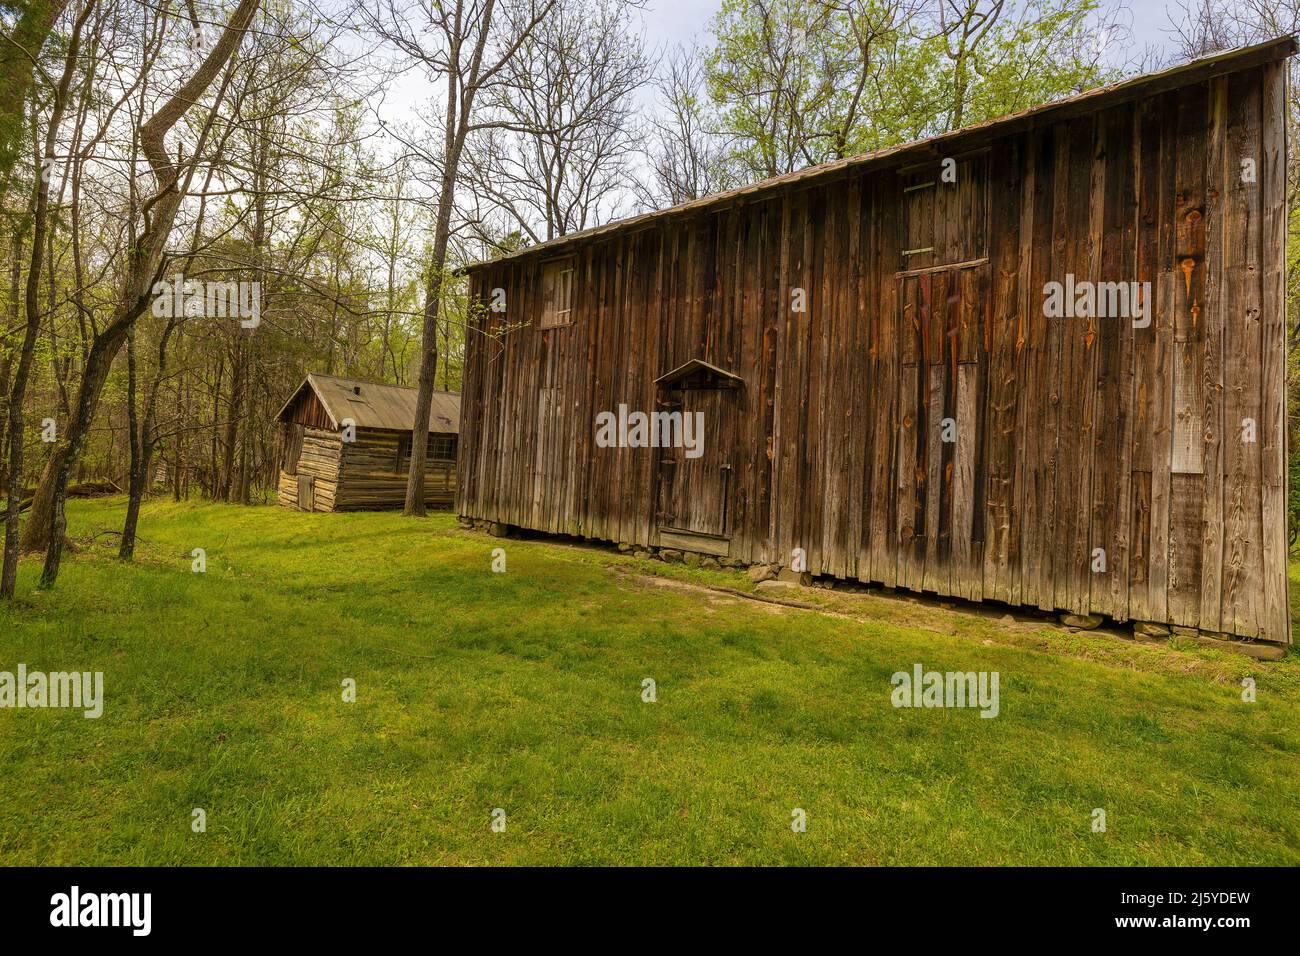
(668, 22)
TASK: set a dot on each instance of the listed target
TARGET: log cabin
(1039, 361)
(346, 446)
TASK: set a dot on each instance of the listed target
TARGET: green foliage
(801, 83)
(522, 690)
(1293, 502)
(1293, 415)
(1050, 50)
(25, 25)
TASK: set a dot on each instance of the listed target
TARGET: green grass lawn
(523, 691)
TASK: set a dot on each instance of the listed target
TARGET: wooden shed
(346, 446)
(1040, 361)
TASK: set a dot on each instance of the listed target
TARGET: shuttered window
(557, 293)
(944, 213)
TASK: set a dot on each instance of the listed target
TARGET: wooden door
(306, 493)
(696, 486)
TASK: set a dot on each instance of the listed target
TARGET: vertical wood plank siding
(1074, 437)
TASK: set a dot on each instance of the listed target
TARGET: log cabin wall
(309, 456)
(924, 424)
(360, 475)
(318, 462)
(372, 479)
(321, 472)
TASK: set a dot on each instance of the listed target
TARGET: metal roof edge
(1184, 74)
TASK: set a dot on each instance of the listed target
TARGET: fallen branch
(95, 488)
(803, 605)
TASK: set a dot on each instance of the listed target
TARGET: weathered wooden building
(346, 446)
(1039, 361)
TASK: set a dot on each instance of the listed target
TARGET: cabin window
(439, 448)
(442, 447)
(557, 293)
(944, 218)
(292, 448)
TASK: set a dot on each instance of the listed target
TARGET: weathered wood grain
(1273, 349)
(363, 474)
(1243, 569)
(925, 307)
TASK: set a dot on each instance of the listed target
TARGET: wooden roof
(668, 379)
(376, 405)
(1196, 71)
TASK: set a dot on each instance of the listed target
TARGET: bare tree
(395, 248)
(467, 46)
(687, 157)
(1204, 27)
(557, 158)
(171, 182)
(40, 210)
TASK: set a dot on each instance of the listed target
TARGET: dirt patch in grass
(989, 624)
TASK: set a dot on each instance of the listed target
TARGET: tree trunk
(134, 485)
(142, 448)
(429, 336)
(214, 473)
(233, 411)
(176, 468)
(428, 367)
(18, 390)
(139, 483)
(6, 360)
(98, 364)
(141, 268)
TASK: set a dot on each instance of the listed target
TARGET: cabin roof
(1195, 71)
(376, 404)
